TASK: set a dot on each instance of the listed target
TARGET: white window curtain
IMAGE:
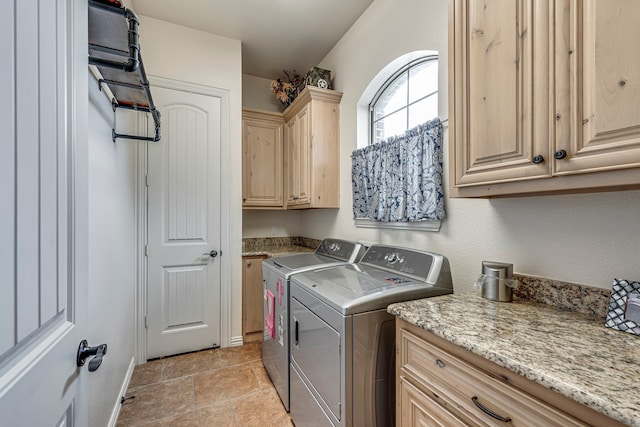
(400, 179)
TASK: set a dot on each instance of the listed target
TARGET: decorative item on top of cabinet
(262, 160)
(439, 383)
(252, 298)
(312, 149)
(319, 77)
(543, 96)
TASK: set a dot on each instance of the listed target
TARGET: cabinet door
(598, 85)
(252, 294)
(262, 183)
(298, 145)
(499, 74)
(304, 155)
(290, 162)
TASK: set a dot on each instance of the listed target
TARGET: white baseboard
(123, 390)
(236, 341)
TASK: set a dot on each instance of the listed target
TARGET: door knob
(212, 254)
(84, 352)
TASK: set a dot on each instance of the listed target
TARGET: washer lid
(298, 261)
(330, 251)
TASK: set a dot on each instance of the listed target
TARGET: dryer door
(315, 352)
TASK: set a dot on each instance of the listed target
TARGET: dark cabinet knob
(560, 154)
(538, 159)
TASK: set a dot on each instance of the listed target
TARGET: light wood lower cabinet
(439, 383)
(252, 298)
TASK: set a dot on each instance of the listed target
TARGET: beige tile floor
(224, 387)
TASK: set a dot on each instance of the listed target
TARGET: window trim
(388, 82)
(423, 225)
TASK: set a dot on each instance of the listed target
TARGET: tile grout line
(227, 363)
(193, 392)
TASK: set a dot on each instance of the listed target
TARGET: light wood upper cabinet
(262, 159)
(598, 102)
(543, 96)
(297, 163)
(312, 146)
(500, 107)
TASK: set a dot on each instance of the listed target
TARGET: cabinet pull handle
(295, 335)
(538, 159)
(440, 363)
(488, 411)
(560, 154)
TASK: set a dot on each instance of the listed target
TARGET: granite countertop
(272, 251)
(568, 352)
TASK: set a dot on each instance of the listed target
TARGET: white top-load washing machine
(343, 340)
(276, 273)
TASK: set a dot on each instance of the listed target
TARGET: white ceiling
(276, 35)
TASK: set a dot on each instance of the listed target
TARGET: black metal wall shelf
(114, 49)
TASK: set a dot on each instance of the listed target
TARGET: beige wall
(258, 223)
(256, 93)
(193, 56)
(587, 238)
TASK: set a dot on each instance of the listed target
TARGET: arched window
(408, 98)
(400, 104)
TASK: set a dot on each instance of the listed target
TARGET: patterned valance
(400, 179)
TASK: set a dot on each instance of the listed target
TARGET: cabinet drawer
(418, 409)
(473, 394)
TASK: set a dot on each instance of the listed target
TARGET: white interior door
(184, 225)
(43, 212)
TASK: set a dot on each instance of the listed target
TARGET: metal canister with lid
(497, 281)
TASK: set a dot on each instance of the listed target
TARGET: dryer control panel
(420, 265)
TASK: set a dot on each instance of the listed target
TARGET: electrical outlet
(274, 230)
